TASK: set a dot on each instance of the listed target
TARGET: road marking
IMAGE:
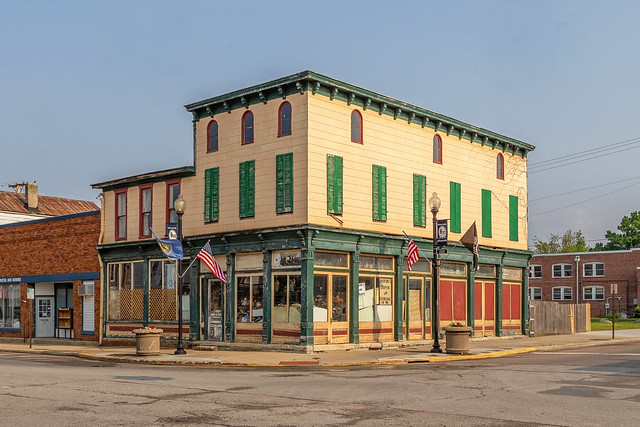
(590, 353)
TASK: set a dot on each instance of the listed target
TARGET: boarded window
(379, 193)
(247, 178)
(419, 200)
(211, 194)
(334, 184)
(284, 183)
(455, 207)
(486, 213)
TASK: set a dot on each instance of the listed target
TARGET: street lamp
(180, 206)
(434, 204)
(577, 260)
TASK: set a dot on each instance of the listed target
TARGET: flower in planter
(456, 325)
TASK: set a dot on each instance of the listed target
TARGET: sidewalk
(480, 348)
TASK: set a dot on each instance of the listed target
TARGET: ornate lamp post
(180, 206)
(434, 204)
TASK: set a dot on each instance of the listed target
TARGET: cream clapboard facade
(395, 135)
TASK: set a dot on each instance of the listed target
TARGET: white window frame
(566, 293)
(594, 269)
(566, 270)
(535, 271)
(594, 291)
(533, 291)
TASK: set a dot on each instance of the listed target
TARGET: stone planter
(148, 341)
(457, 339)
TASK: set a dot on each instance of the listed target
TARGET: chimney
(31, 195)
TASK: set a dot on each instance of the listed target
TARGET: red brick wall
(57, 246)
(621, 267)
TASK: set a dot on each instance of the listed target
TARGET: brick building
(587, 275)
(49, 276)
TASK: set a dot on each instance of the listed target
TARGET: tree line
(627, 237)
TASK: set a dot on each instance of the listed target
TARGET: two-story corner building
(586, 277)
(304, 186)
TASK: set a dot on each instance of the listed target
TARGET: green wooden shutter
(513, 218)
(211, 194)
(247, 193)
(284, 183)
(334, 184)
(486, 213)
(455, 207)
(379, 192)
(419, 200)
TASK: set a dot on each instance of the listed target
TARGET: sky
(95, 90)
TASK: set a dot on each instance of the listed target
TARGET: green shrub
(636, 312)
(610, 316)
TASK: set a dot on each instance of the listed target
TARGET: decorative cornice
(318, 84)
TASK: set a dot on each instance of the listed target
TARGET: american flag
(206, 256)
(413, 255)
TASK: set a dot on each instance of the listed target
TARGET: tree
(570, 241)
(629, 236)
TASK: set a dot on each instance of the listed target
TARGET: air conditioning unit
(85, 290)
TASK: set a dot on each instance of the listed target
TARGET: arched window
(284, 119)
(247, 128)
(356, 127)
(437, 149)
(212, 136)
(500, 166)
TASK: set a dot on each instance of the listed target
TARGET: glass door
(215, 308)
(330, 307)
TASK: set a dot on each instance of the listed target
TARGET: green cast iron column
(398, 298)
(354, 318)
(525, 300)
(230, 304)
(306, 297)
(471, 298)
(499, 302)
(266, 297)
(194, 297)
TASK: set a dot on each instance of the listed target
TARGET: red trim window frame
(437, 149)
(356, 127)
(212, 126)
(120, 214)
(174, 183)
(500, 166)
(145, 210)
(248, 130)
(283, 118)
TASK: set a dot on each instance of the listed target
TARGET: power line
(543, 163)
(567, 163)
(584, 189)
(583, 201)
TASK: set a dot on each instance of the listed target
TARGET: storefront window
(249, 293)
(126, 291)
(163, 297)
(486, 271)
(320, 303)
(512, 274)
(453, 269)
(286, 298)
(422, 265)
(330, 259)
(376, 263)
(376, 303)
(339, 310)
(10, 306)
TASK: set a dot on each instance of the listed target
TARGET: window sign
(287, 259)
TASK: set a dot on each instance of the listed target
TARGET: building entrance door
(45, 320)
(417, 312)
(215, 310)
(330, 314)
(484, 308)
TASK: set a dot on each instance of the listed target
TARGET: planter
(148, 341)
(457, 339)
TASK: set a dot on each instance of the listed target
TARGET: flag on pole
(413, 255)
(171, 248)
(206, 256)
(470, 241)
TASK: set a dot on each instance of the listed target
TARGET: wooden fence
(552, 318)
